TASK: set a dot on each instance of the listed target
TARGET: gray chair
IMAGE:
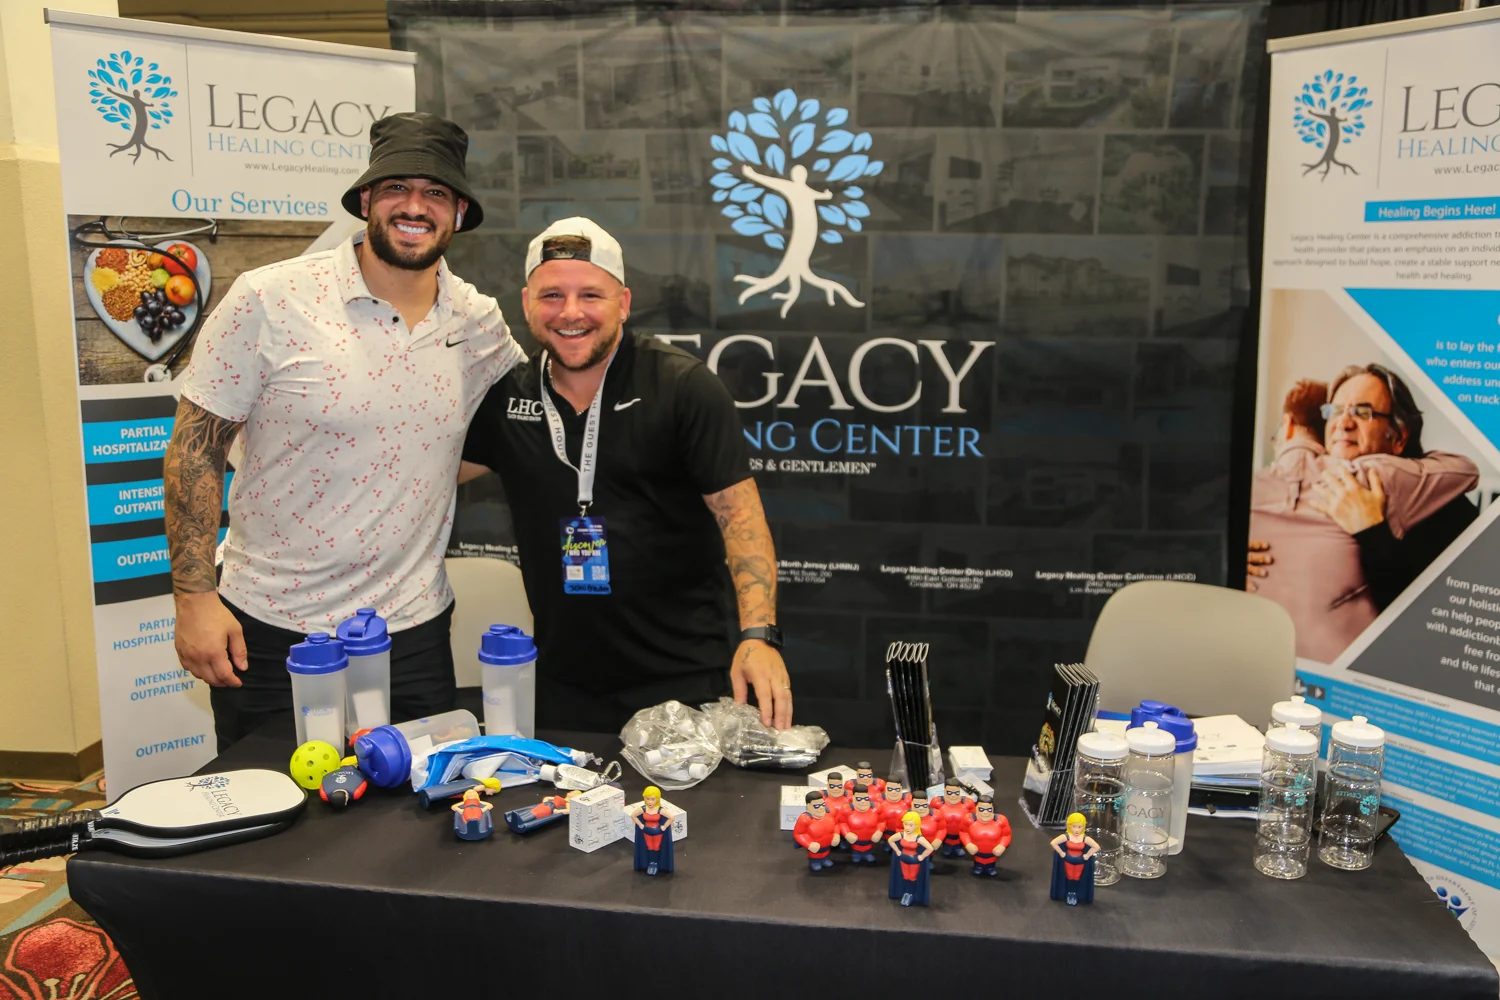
(485, 592)
(1207, 650)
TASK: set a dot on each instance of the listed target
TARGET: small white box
(679, 820)
(980, 786)
(593, 818)
(819, 779)
(793, 804)
(969, 762)
(935, 791)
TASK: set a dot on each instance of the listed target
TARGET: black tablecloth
(383, 901)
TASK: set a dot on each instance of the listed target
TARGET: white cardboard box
(679, 820)
(819, 779)
(969, 762)
(793, 804)
(593, 818)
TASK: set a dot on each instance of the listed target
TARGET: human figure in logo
(796, 265)
(137, 140)
(910, 882)
(653, 834)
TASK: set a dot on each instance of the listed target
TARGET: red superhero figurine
(893, 805)
(987, 837)
(836, 798)
(817, 831)
(956, 811)
(933, 830)
(864, 772)
(863, 826)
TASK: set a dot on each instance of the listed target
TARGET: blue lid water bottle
(507, 674)
(317, 666)
(368, 680)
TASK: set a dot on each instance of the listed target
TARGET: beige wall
(49, 699)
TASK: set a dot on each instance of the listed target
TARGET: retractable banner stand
(188, 156)
(975, 276)
(1382, 283)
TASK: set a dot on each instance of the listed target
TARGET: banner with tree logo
(975, 276)
(185, 161)
(1372, 513)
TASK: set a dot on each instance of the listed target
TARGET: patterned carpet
(51, 949)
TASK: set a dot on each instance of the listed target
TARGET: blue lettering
(755, 440)
(942, 447)
(791, 436)
(877, 435)
(968, 436)
(855, 442)
(814, 435)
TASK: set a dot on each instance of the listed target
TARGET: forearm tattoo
(193, 481)
(748, 546)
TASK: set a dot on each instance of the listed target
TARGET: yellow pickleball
(312, 761)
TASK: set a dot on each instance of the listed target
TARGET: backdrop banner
(184, 163)
(976, 277)
(1382, 260)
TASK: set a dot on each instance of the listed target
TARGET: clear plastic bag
(746, 742)
(672, 745)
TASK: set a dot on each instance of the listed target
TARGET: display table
(382, 900)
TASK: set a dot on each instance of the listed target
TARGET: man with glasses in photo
(1352, 509)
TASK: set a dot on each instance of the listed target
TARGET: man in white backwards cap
(644, 547)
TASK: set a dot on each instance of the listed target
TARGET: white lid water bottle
(368, 679)
(1351, 794)
(1295, 711)
(1149, 772)
(1283, 819)
(1099, 794)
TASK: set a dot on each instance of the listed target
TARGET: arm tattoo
(751, 555)
(193, 482)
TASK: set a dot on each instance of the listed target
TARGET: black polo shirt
(668, 434)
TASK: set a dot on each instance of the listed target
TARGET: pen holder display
(919, 766)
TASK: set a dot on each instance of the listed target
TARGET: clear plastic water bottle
(1174, 721)
(1099, 793)
(1351, 794)
(1283, 820)
(507, 676)
(1146, 827)
(368, 679)
(1295, 711)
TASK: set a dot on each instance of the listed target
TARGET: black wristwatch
(769, 634)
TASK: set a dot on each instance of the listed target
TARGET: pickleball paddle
(164, 818)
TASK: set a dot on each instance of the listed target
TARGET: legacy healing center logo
(767, 191)
(1318, 121)
(213, 782)
(1456, 898)
(128, 91)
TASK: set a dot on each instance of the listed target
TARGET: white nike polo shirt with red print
(354, 425)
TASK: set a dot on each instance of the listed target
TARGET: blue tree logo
(1318, 121)
(779, 202)
(213, 782)
(119, 88)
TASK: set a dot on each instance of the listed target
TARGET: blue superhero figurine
(653, 834)
(910, 868)
(1073, 863)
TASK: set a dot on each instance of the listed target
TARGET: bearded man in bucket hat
(352, 375)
